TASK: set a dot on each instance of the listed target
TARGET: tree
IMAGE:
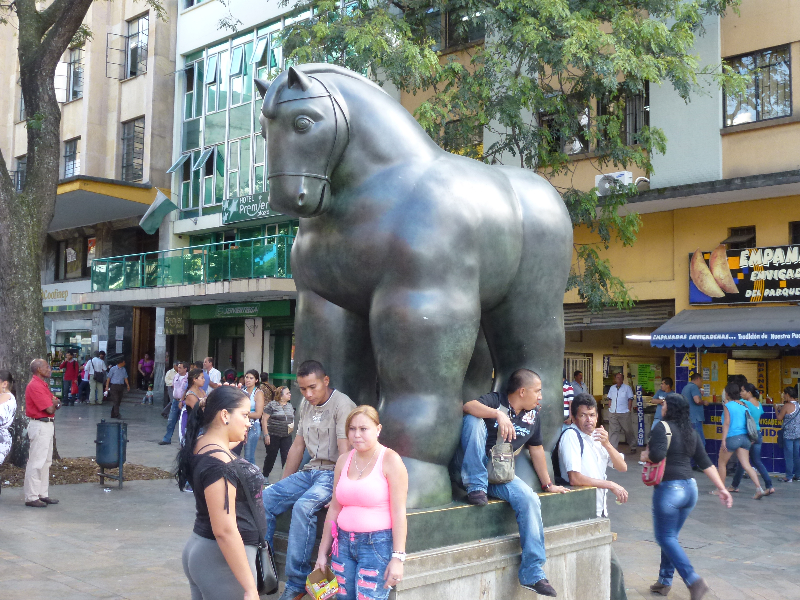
(531, 86)
(43, 35)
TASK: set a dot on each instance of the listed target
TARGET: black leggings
(276, 444)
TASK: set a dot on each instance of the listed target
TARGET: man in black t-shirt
(513, 416)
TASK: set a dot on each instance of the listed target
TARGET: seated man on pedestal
(321, 431)
(513, 416)
(583, 455)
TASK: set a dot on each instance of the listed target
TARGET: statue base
(463, 551)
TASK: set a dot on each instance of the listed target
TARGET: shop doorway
(144, 336)
(580, 363)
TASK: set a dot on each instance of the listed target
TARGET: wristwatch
(401, 556)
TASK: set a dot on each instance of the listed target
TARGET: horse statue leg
(423, 341)
(339, 339)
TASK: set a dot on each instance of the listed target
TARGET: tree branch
(51, 14)
(57, 39)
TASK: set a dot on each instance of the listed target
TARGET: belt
(46, 419)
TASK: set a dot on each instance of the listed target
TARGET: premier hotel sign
(745, 276)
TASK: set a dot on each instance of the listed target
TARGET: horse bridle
(329, 166)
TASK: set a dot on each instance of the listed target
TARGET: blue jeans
(758, 465)
(253, 435)
(174, 413)
(672, 503)
(791, 454)
(304, 493)
(361, 564)
(470, 463)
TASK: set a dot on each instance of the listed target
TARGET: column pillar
(160, 358)
(253, 343)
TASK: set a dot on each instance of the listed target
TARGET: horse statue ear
(296, 76)
(262, 86)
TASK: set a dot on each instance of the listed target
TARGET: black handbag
(266, 573)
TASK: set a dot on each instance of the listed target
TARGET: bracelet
(401, 556)
(547, 487)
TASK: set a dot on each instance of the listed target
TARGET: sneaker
(164, 443)
(478, 498)
(542, 587)
(785, 479)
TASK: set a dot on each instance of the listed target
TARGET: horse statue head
(306, 123)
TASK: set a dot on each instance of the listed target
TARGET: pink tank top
(365, 502)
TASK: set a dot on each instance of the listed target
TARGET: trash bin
(111, 442)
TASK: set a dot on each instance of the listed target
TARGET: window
(22, 115)
(71, 160)
(73, 258)
(133, 150)
(75, 74)
(741, 238)
(794, 232)
(768, 94)
(637, 114)
(462, 30)
(136, 47)
(578, 144)
(19, 174)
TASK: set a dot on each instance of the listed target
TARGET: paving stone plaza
(127, 543)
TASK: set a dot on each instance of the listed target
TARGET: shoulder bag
(750, 424)
(501, 461)
(98, 374)
(266, 573)
(786, 421)
(653, 473)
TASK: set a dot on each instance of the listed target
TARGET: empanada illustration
(702, 277)
(722, 271)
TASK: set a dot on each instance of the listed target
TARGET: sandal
(735, 490)
(770, 491)
(759, 494)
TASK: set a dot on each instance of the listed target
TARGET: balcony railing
(243, 259)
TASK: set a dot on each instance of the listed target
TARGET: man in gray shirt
(117, 380)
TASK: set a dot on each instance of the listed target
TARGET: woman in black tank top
(219, 558)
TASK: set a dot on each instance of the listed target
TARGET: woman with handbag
(790, 431)
(221, 557)
(277, 423)
(750, 396)
(252, 389)
(735, 438)
(366, 523)
(676, 495)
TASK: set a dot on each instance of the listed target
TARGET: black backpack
(557, 476)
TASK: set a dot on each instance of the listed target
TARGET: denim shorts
(360, 564)
(735, 442)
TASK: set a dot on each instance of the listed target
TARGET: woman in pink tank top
(366, 524)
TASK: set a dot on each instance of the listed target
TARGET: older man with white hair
(40, 407)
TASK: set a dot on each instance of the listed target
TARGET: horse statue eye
(302, 123)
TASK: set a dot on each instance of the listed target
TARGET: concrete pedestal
(460, 551)
(578, 559)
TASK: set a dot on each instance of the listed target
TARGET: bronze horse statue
(409, 260)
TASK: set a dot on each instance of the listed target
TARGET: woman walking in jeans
(734, 438)
(366, 522)
(675, 497)
(277, 423)
(750, 397)
(256, 410)
(790, 414)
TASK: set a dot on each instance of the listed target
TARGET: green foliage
(35, 121)
(535, 87)
(83, 35)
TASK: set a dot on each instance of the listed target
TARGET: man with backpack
(581, 457)
(97, 377)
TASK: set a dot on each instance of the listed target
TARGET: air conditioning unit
(607, 183)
